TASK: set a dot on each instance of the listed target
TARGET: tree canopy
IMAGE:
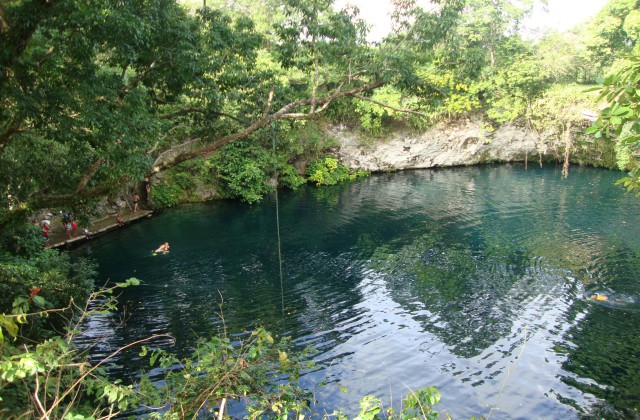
(96, 94)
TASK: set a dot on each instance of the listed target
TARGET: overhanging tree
(97, 93)
(80, 87)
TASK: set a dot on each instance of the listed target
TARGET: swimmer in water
(598, 297)
(163, 248)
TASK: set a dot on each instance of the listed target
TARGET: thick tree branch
(87, 177)
(63, 199)
(11, 129)
(307, 116)
(269, 102)
(169, 158)
(406, 111)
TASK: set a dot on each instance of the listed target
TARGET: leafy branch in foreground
(620, 120)
(258, 370)
(52, 378)
(418, 404)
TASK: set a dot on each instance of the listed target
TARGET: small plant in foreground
(52, 379)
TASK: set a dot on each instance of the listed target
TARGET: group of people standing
(70, 223)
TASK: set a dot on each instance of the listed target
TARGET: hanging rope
(275, 174)
(509, 372)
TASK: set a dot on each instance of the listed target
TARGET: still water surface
(469, 279)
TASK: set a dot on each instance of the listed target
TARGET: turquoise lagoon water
(470, 279)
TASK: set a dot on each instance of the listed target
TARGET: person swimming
(596, 296)
(163, 248)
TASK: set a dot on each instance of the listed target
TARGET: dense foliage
(620, 120)
(29, 273)
(96, 94)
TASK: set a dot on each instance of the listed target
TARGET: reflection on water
(475, 280)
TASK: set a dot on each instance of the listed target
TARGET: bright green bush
(52, 275)
(289, 178)
(329, 171)
(618, 122)
(262, 372)
(166, 194)
(372, 115)
(52, 380)
(242, 170)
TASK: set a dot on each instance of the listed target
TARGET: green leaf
(129, 282)
(592, 129)
(39, 301)
(622, 111)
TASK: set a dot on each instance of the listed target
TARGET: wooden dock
(59, 239)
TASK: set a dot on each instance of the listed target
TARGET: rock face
(451, 144)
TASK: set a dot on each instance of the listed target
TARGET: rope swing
(275, 175)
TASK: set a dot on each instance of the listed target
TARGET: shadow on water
(475, 280)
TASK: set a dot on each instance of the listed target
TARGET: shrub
(329, 171)
(50, 378)
(166, 194)
(242, 169)
(49, 274)
(289, 178)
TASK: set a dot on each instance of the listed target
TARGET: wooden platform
(59, 239)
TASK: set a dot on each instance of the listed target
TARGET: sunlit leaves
(620, 120)
(329, 171)
(614, 30)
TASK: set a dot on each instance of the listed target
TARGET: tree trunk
(170, 158)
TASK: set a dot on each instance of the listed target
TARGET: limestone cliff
(464, 142)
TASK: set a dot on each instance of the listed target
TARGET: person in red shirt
(45, 233)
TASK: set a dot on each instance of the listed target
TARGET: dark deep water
(469, 279)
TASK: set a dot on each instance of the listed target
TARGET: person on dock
(136, 199)
(45, 232)
(119, 219)
(67, 228)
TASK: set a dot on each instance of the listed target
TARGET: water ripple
(476, 280)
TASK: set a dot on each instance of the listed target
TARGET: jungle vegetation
(96, 94)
